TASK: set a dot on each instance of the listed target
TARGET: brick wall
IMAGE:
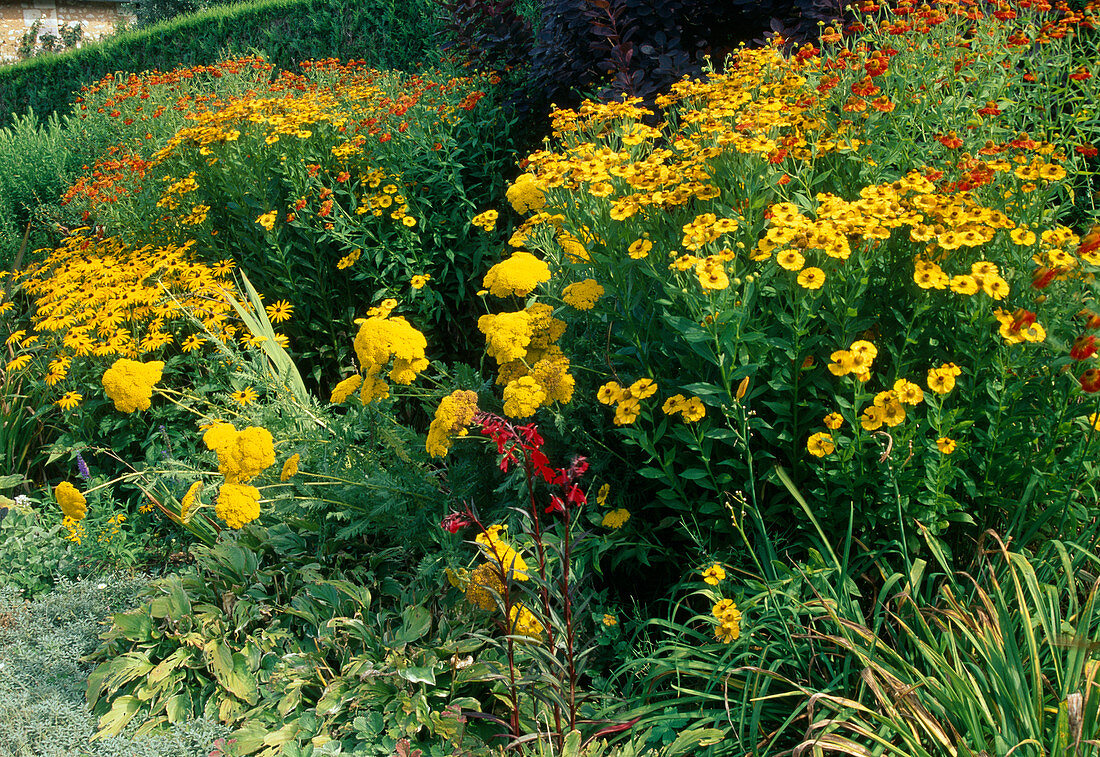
(97, 18)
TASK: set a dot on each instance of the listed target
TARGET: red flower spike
(452, 522)
(1043, 276)
(555, 506)
(575, 496)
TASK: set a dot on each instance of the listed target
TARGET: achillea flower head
(129, 384)
(237, 504)
(72, 502)
(518, 275)
(452, 418)
(582, 295)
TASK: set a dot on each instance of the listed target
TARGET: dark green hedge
(386, 33)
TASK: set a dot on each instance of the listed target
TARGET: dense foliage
(286, 31)
(751, 413)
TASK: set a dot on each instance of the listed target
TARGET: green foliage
(155, 11)
(291, 651)
(1000, 660)
(288, 31)
(42, 674)
(39, 159)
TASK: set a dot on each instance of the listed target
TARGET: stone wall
(97, 18)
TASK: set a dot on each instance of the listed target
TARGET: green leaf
(418, 674)
(135, 626)
(121, 713)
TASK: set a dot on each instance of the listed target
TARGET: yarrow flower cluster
(242, 455)
(583, 295)
(533, 370)
(452, 418)
(72, 502)
(129, 384)
(382, 338)
(518, 275)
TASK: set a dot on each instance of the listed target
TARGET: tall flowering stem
(522, 445)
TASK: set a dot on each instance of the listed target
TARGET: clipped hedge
(395, 34)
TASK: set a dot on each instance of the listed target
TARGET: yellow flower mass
(582, 295)
(237, 504)
(129, 384)
(452, 418)
(72, 502)
(518, 275)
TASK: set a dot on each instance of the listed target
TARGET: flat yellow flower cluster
(518, 275)
(129, 384)
(452, 417)
(583, 295)
(72, 502)
(498, 551)
(533, 370)
(382, 338)
(242, 455)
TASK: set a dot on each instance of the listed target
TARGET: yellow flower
(627, 412)
(345, 389)
(188, 501)
(524, 622)
(71, 502)
(714, 574)
(525, 194)
(871, 418)
(833, 421)
(237, 504)
(501, 553)
(244, 396)
(348, 260)
(945, 445)
(615, 519)
(791, 260)
(941, 381)
(610, 393)
(290, 467)
(129, 384)
(908, 392)
(523, 397)
(280, 311)
(192, 342)
(267, 220)
(693, 410)
(418, 281)
(728, 629)
(518, 275)
(811, 278)
(69, 400)
(642, 388)
(455, 413)
(639, 248)
(601, 495)
(486, 220)
(242, 455)
(843, 363)
(609, 620)
(582, 295)
(820, 444)
(484, 587)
